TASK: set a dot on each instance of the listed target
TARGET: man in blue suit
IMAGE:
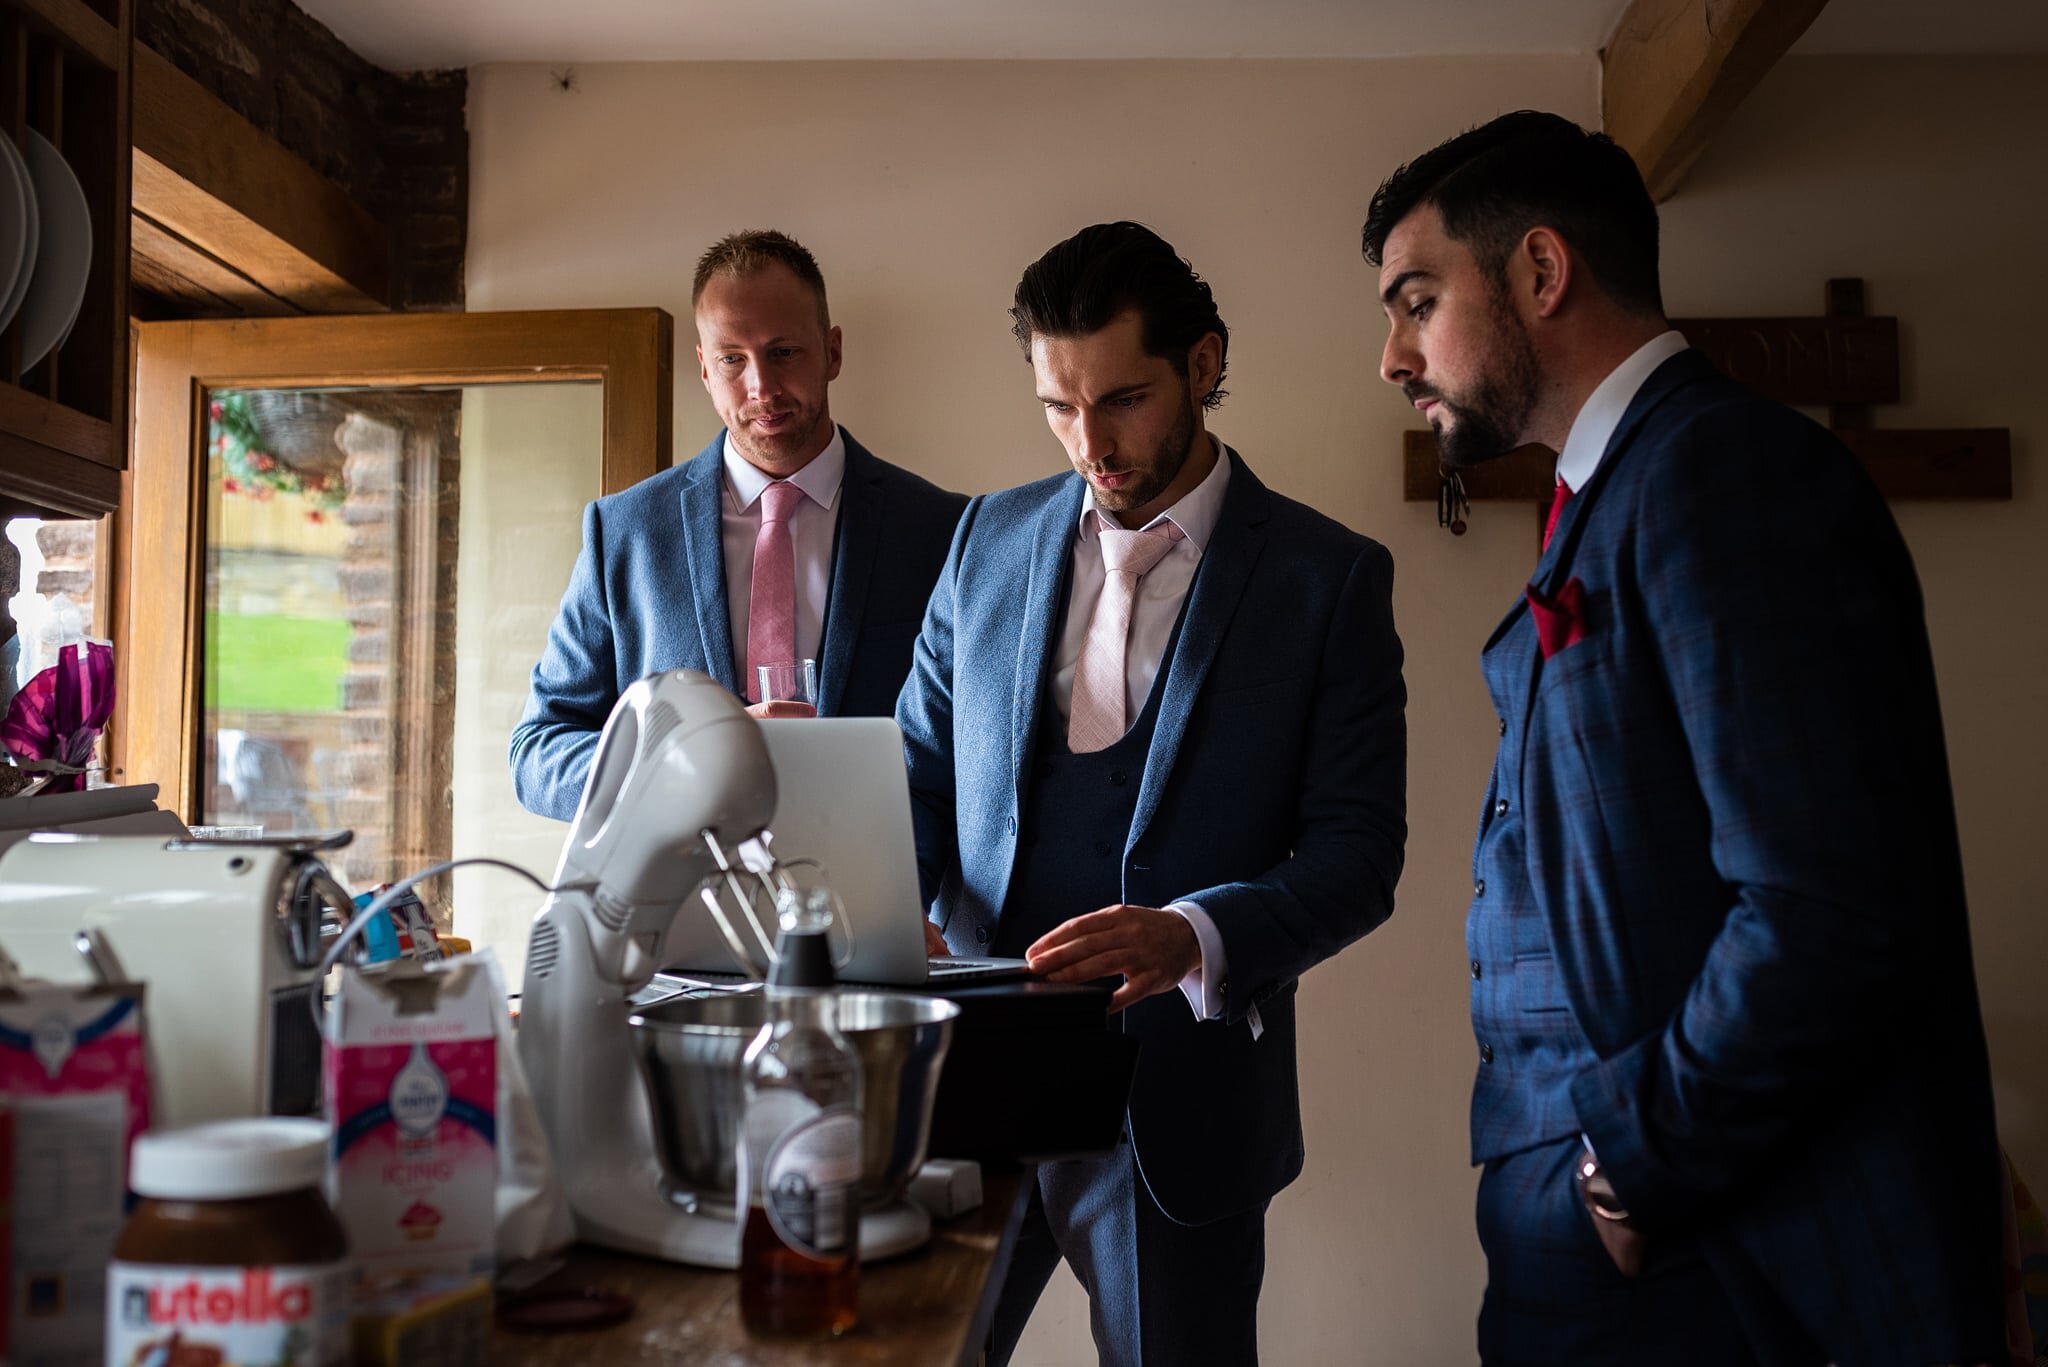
(1155, 732)
(1733, 1102)
(783, 540)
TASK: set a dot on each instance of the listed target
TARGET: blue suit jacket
(1742, 840)
(1273, 794)
(648, 594)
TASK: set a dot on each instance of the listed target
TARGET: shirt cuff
(1203, 987)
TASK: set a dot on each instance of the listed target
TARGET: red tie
(1557, 501)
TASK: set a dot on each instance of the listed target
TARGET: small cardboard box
(411, 1084)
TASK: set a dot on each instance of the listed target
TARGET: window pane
(377, 559)
(49, 594)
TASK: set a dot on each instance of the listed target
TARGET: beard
(1152, 475)
(781, 452)
(1487, 421)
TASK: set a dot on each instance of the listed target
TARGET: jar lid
(227, 1159)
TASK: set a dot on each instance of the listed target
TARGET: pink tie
(1095, 717)
(771, 609)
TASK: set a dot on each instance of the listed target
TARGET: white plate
(64, 256)
(18, 229)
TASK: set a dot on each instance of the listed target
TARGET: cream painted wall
(924, 189)
(530, 456)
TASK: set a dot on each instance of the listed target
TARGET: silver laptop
(843, 800)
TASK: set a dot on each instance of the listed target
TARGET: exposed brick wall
(396, 142)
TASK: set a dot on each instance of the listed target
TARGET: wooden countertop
(931, 1306)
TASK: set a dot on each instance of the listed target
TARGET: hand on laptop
(1151, 949)
(934, 943)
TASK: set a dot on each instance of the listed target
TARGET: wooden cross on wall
(1844, 359)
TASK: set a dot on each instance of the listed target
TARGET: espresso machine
(227, 939)
(674, 821)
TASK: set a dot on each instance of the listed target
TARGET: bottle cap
(803, 951)
(803, 958)
(228, 1159)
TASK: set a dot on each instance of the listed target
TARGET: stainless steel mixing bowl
(690, 1051)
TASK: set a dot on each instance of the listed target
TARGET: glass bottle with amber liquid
(800, 1145)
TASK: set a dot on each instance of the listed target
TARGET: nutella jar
(231, 1254)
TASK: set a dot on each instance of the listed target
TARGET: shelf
(65, 74)
(77, 25)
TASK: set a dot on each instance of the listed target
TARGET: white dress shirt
(1154, 611)
(811, 529)
(1594, 427)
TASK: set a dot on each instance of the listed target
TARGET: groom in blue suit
(1733, 1103)
(1155, 733)
(679, 572)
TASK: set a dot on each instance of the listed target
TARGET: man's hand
(1152, 949)
(934, 943)
(1624, 1243)
(783, 708)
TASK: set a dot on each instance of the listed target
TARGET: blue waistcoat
(1530, 1046)
(1075, 824)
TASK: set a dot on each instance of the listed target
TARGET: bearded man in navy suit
(1155, 732)
(1733, 1103)
(691, 569)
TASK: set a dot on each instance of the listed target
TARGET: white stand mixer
(681, 791)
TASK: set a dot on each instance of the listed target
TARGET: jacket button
(1500, 808)
(1486, 1053)
(1503, 725)
(1013, 825)
(1475, 970)
(1479, 890)
(981, 935)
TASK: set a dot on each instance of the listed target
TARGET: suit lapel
(1552, 570)
(704, 549)
(1227, 564)
(855, 547)
(1052, 548)
(1553, 567)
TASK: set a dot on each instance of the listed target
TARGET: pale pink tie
(1096, 716)
(771, 608)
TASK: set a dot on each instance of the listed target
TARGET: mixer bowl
(690, 1051)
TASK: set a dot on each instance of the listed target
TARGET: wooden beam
(44, 481)
(166, 264)
(207, 176)
(1674, 70)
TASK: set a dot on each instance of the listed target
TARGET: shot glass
(794, 681)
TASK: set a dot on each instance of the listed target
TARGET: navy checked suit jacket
(648, 594)
(1743, 843)
(1273, 795)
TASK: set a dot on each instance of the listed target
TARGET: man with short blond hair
(784, 540)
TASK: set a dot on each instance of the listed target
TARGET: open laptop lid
(843, 799)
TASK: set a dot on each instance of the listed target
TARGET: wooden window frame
(159, 562)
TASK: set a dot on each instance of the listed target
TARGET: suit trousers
(1554, 1297)
(1160, 1293)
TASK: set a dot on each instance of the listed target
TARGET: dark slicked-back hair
(1528, 170)
(755, 250)
(1079, 286)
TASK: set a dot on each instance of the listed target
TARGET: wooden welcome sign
(1843, 359)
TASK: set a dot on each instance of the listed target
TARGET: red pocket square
(1560, 621)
